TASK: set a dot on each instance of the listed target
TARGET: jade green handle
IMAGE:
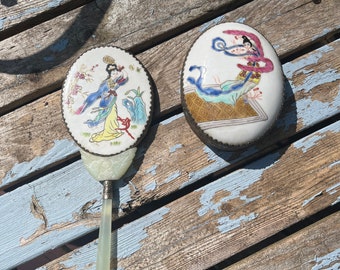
(103, 169)
(104, 242)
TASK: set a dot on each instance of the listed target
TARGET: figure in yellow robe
(111, 126)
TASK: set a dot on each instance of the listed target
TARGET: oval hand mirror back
(106, 101)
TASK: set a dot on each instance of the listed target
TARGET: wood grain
(22, 86)
(170, 142)
(265, 16)
(314, 247)
(13, 13)
(35, 61)
(228, 215)
(162, 166)
(47, 210)
(245, 197)
(166, 76)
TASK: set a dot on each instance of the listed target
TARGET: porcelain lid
(232, 86)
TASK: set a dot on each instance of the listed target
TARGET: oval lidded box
(232, 86)
(107, 101)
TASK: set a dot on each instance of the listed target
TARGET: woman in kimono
(107, 110)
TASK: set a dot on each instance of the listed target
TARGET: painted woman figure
(107, 110)
(247, 46)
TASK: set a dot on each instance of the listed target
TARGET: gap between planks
(177, 110)
(284, 235)
(307, 219)
(137, 48)
(148, 208)
(45, 15)
(326, 122)
(34, 176)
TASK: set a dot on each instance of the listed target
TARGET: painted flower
(76, 89)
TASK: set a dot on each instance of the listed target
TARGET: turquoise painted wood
(53, 210)
(30, 167)
(15, 12)
(63, 205)
(141, 233)
(50, 211)
(62, 194)
(61, 150)
(301, 113)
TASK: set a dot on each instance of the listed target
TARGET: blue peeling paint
(288, 120)
(336, 201)
(276, 46)
(41, 246)
(322, 34)
(333, 127)
(241, 20)
(26, 13)
(307, 143)
(310, 141)
(2, 22)
(317, 79)
(233, 184)
(329, 261)
(49, 58)
(215, 21)
(219, 161)
(125, 194)
(226, 224)
(291, 68)
(56, 48)
(173, 176)
(152, 170)
(131, 236)
(306, 108)
(62, 204)
(60, 149)
(130, 240)
(171, 119)
(150, 186)
(305, 202)
(212, 156)
(334, 164)
(79, 261)
(54, 3)
(175, 147)
(333, 189)
(32, 10)
(60, 45)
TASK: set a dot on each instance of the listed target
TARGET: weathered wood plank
(34, 216)
(300, 23)
(14, 12)
(216, 214)
(166, 159)
(18, 88)
(35, 62)
(232, 213)
(315, 247)
(162, 165)
(166, 76)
